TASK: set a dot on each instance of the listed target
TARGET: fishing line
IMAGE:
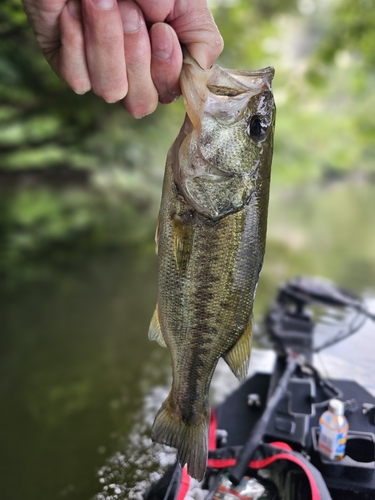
(345, 333)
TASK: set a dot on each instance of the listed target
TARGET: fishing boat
(263, 438)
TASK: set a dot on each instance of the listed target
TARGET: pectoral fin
(154, 332)
(239, 356)
(182, 239)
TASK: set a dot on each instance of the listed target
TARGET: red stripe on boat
(184, 485)
(283, 446)
(212, 432)
(259, 464)
(219, 463)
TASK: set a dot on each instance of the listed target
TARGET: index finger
(105, 55)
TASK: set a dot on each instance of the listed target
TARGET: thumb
(197, 30)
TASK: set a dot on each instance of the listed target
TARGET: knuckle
(73, 38)
(110, 38)
(211, 35)
(218, 44)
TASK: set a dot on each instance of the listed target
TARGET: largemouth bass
(210, 242)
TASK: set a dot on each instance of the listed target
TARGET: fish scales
(211, 242)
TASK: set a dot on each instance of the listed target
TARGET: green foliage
(351, 29)
(51, 139)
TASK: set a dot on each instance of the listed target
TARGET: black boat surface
(263, 438)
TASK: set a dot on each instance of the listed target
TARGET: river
(80, 381)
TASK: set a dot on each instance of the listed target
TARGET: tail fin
(189, 439)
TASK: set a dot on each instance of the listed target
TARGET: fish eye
(255, 128)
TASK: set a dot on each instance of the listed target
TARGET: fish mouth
(238, 82)
(222, 93)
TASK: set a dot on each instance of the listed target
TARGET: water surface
(80, 381)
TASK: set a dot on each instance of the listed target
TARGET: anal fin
(239, 356)
(154, 332)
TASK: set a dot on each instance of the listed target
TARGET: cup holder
(359, 453)
(360, 449)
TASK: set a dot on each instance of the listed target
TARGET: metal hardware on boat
(367, 407)
(221, 437)
(351, 405)
(254, 400)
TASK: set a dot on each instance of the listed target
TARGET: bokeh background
(80, 185)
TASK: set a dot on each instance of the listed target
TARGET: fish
(210, 242)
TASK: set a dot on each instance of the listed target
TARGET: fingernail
(201, 57)
(163, 48)
(74, 9)
(104, 4)
(131, 20)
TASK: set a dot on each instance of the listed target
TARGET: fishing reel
(290, 324)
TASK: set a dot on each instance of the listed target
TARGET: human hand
(106, 46)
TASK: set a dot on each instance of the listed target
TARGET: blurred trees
(323, 52)
(76, 174)
(76, 171)
(351, 29)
